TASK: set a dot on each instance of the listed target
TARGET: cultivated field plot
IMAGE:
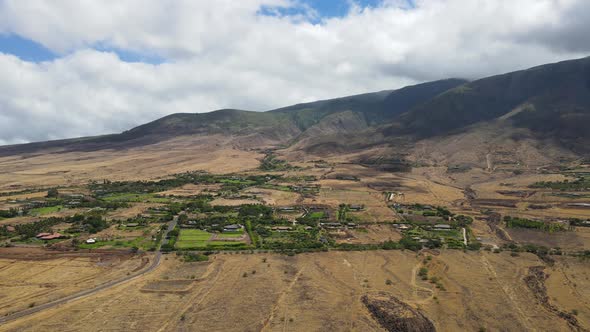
(192, 190)
(26, 282)
(196, 238)
(322, 292)
(132, 211)
(532, 201)
(570, 240)
(233, 202)
(375, 209)
(372, 234)
(193, 238)
(369, 234)
(274, 197)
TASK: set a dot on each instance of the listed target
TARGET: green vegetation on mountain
(551, 101)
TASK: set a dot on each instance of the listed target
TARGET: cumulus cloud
(255, 54)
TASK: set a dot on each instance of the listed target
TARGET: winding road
(87, 292)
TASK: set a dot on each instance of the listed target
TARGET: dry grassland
(233, 202)
(336, 192)
(132, 211)
(30, 277)
(212, 153)
(372, 234)
(321, 292)
(191, 190)
(274, 197)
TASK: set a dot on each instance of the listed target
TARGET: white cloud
(223, 54)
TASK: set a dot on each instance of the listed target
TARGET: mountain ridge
(546, 103)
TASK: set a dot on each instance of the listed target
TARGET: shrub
(423, 273)
(190, 257)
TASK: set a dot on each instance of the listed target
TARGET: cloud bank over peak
(197, 56)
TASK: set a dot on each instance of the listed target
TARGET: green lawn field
(196, 238)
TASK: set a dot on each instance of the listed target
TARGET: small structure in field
(282, 229)
(347, 177)
(91, 241)
(232, 228)
(442, 227)
(356, 207)
(331, 225)
(287, 209)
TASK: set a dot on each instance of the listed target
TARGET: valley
(312, 240)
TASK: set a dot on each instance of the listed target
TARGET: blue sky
(25, 49)
(331, 8)
(32, 51)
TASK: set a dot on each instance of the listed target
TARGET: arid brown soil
(33, 276)
(395, 315)
(535, 281)
(323, 291)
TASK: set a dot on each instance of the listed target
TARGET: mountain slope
(542, 106)
(281, 126)
(373, 107)
(553, 100)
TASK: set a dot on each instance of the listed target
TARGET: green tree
(52, 193)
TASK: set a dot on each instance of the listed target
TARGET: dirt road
(95, 290)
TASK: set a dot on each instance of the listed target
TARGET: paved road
(95, 290)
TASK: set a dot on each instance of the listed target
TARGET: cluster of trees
(10, 213)
(98, 203)
(229, 182)
(52, 193)
(312, 219)
(192, 257)
(109, 187)
(516, 222)
(462, 220)
(29, 230)
(300, 240)
(389, 164)
(90, 223)
(580, 184)
(579, 222)
(439, 211)
(256, 211)
(272, 163)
